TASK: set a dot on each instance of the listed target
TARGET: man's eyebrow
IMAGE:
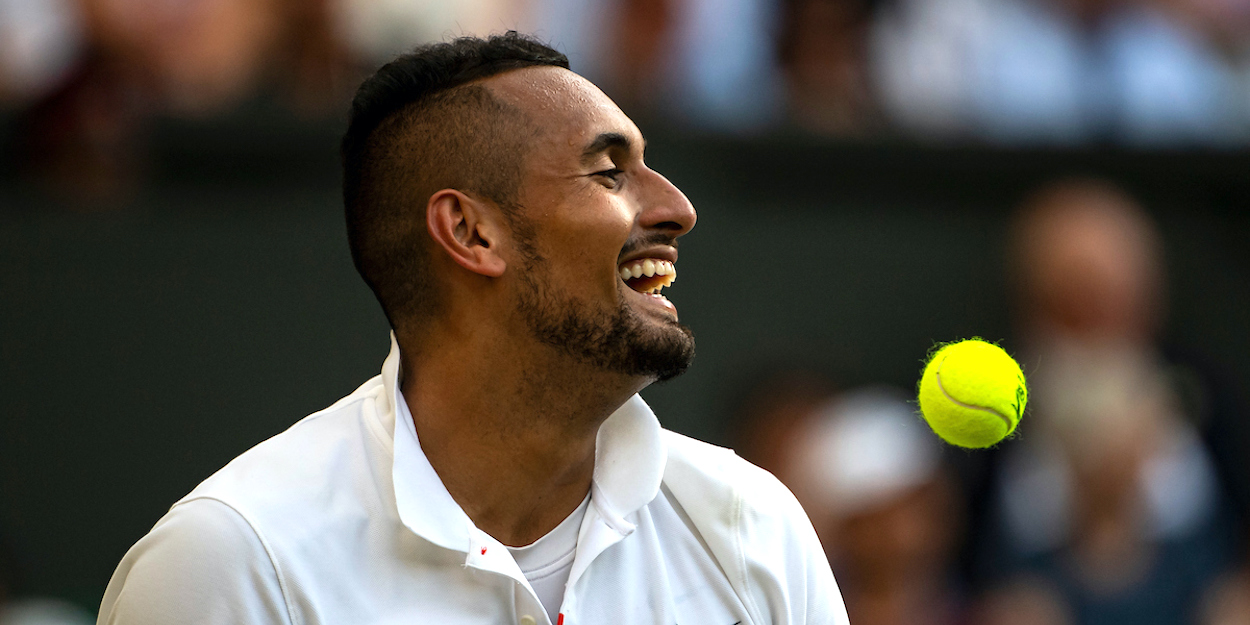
(604, 142)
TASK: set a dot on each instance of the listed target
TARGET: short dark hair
(417, 126)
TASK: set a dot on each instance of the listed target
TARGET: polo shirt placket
(629, 467)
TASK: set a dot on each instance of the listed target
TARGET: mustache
(650, 240)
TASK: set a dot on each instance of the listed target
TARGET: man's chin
(623, 340)
(666, 354)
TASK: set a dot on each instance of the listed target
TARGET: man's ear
(468, 230)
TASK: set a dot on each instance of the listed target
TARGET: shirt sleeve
(202, 564)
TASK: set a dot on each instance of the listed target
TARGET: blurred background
(1068, 177)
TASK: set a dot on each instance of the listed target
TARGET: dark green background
(142, 346)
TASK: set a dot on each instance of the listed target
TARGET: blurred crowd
(17, 607)
(1120, 500)
(1122, 497)
(80, 78)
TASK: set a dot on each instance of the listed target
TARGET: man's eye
(613, 174)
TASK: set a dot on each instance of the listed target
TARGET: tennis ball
(972, 393)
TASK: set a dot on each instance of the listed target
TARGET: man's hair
(418, 126)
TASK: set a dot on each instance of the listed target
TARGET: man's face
(596, 229)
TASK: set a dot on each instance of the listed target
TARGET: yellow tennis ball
(972, 393)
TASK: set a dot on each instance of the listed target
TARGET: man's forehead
(562, 103)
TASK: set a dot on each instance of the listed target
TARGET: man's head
(421, 124)
(1087, 262)
(482, 175)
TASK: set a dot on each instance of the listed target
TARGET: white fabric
(341, 519)
(548, 561)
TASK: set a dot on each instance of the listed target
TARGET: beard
(618, 340)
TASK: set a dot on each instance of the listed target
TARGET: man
(502, 468)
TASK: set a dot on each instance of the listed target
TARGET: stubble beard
(619, 340)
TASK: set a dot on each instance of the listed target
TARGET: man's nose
(665, 207)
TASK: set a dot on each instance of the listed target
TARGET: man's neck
(512, 436)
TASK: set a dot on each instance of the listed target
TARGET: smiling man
(502, 468)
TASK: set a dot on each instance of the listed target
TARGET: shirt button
(528, 620)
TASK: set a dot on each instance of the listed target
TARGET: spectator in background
(1229, 602)
(137, 59)
(724, 74)
(706, 63)
(376, 31)
(91, 74)
(39, 40)
(709, 64)
(18, 610)
(1140, 72)
(1109, 503)
(824, 57)
(871, 477)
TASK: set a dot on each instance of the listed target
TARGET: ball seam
(938, 376)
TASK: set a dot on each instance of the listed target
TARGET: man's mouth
(648, 275)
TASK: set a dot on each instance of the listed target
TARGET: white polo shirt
(341, 519)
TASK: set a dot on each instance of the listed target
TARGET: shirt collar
(629, 464)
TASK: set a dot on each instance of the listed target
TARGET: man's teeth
(648, 275)
(648, 268)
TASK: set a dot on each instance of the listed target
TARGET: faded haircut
(420, 124)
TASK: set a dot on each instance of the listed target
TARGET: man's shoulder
(756, 530)
(294, 507)
(294, 469)
(723, 490)
(693, 459)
